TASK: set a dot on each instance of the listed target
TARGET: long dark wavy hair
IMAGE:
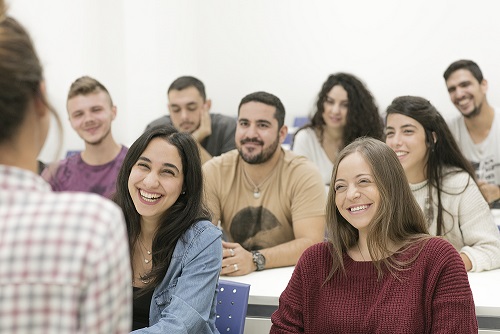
(442, 149)
(398, 220)
(362, 117)
(187, 210)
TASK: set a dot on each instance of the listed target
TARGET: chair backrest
(300, 121)
(232, 304)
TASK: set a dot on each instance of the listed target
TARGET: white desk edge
(266, 287)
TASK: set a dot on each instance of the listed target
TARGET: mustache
(251, 140)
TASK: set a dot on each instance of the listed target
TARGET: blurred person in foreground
(64, 264)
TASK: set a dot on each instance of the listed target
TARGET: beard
(474, 113)
(261, 157)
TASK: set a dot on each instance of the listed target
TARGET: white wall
(286, 47)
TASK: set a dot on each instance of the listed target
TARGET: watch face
(259, 260)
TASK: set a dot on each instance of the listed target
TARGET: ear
(434, 137)
(282, 133)
(40, 99)
(113, 112)
(208, 105)
(484, 86)
(169, 108)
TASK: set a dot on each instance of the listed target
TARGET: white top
(469, 224)
(484, 156)
(306, 143)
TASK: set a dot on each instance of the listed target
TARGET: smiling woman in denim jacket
(176, 252)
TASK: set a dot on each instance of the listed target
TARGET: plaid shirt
(64, 260)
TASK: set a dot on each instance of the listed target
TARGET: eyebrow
(166, 164)
(257, 121)
(402, 126)
(187, 104)
(331, 98)
(357, 176)
(460, 83)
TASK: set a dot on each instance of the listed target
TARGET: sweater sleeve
(452, 302)
(479, 231)
(288, 318)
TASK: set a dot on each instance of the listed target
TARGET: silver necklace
(359, 249)
(147, 251)
(256, 188)
(146, 261)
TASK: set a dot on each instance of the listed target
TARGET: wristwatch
(259, 260)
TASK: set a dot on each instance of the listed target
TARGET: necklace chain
(146, 261)
(359, 249)
(256, 187)
(147, 251)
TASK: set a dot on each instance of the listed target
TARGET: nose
(87, 117)
(251, 131)
(335, 108)
(184, 114)
(459, 92)
(150, 181)
(394, 140)
(352, 192)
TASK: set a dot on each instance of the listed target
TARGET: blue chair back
(300, 121)
(232, 304)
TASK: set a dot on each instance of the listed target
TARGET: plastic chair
(232, 304)
(300, 121)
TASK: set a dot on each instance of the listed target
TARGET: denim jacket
(184, 302)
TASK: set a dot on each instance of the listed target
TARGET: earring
(183, 193)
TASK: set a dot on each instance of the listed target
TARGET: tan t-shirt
(294, 191)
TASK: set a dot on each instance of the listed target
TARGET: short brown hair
(86, 85)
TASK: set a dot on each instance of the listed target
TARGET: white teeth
(357, 208)
(149, 197)
(400, 153)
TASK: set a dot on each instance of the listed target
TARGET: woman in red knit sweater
(379, 271)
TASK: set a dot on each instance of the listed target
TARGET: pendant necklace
(146, 261)
(147, 251)
(256, 188)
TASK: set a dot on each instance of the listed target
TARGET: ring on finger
(231, 251)
(235, 266)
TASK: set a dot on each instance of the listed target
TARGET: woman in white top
(443, 181)
(345, 110)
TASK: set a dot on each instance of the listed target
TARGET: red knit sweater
(433, 295)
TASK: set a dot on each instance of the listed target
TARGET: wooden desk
(266, 287)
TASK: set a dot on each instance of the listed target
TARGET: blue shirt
(184, 302)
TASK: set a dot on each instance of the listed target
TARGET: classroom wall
(286, 47)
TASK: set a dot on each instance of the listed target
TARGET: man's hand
(236, 260)
(491, 192)
(205, 128)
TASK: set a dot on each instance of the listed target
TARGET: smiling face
(406, 137)
(257, 135)
(186, 107)
(356, 195)
(156, 180)
(91, 116)
(336, 107)
(466, 93)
